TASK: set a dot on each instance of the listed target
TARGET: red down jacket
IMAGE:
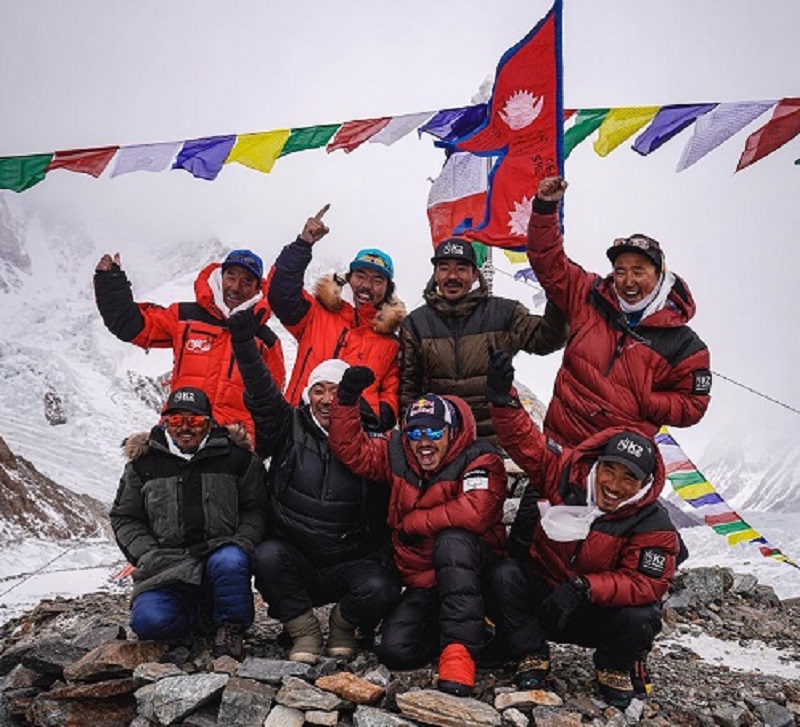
(198, 335)
(629, 556)
(643, 377)
(466, 492)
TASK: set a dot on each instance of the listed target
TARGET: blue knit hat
(374, 259)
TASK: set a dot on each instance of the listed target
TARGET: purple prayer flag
(452, 123)
(669, 122)
(526, 274)
(204, 157)
(712, 498)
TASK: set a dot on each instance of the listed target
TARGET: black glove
(500, 378)
(245, 324)
(408, 538)
(354, 381)
(557, 609)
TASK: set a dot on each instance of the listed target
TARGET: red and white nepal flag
(458, 195)
(524, 127)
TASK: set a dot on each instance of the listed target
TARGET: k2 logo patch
(476, 480)
(702, 381)
(198, 345)
(652, 562)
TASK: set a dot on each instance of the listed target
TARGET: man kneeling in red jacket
(595, 556)
(445, 513)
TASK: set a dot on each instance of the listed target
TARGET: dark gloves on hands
(557, 609)
(245, 324)
(354, 381)
(500, 378)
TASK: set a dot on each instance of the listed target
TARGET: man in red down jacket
(361, 333)
(196, 331)
(595, 556)
(445, 514)
(631, 360)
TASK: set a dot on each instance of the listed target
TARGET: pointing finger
(322, 212)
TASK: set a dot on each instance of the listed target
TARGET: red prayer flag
(524, 127)
(354, 133)
(782, 127)
(86, 161)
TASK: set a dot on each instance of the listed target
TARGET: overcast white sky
(92, 72)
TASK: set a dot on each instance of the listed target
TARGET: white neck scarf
(654, 301)
(179, 452)
(215, 283)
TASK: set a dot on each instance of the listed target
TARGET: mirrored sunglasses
(193, 420)
(415, 434)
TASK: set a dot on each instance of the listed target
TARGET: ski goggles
(195, 421)
(642, 242)
(415, 433)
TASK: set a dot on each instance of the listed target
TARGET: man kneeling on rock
(188, 513)
(595, 557)
(445, 511)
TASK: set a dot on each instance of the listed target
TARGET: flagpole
(488, 266)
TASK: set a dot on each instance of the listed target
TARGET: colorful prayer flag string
(692, 487)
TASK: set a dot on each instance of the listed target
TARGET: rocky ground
(74, 663)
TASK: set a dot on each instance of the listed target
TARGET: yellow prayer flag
(742, 535)
(516, 257)
(692, 492)
(259, 151)
(621, 124)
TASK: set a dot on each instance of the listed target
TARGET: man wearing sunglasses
(360, 331)
(188, 513)
(445, 512)
(445, 342)
(196, 331)
(631, 359)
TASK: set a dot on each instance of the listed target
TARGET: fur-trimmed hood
(136, 445)
(385, 319)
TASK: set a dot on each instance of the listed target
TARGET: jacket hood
(386, 319)
(204, 295)
(584, 457)
(466, 434)
(679, 309)
(460, 308)
(138, 444)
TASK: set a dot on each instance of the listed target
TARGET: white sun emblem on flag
(521, 109)
(519, 217)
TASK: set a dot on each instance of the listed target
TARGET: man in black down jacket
(188, 514)
(329, 541)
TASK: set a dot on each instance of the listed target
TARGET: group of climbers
(384, 487)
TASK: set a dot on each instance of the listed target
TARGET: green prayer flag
(21, 173)
(481, 253)
(309, 137)
(586, 121)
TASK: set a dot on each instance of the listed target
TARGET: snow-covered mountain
(71, 392)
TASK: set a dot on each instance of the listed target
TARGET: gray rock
(436, 708)
(281, 716)
(514, 718)
(173, 698)
(245, 701)
(729, 715)
(151, 672)
(372, 717)
(50, 656)
(708, 584)
(326, 719)
(634, 711)
(97, 635)
(380, 675)
(302, 695)
(681, 601)
(774, 715)
(550, 717)
(271, 671)
(743, 583)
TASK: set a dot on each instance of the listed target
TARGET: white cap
(330, 370)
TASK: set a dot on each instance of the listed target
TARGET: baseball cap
(455, 249)
(642, 244)
(188, 398)
(636, 452)
(246, 259)
(429, 411)
(375, 260)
